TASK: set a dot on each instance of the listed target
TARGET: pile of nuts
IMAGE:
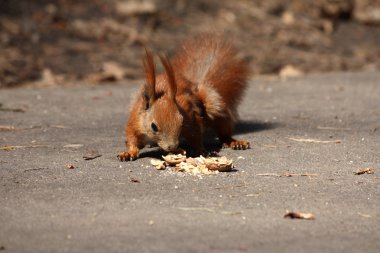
(197, 165)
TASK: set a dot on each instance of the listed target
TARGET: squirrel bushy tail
(211, 63)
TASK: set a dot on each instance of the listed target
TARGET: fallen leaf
(286, 174)
(47, 77)
(34, 169)
(7, 128)
(73, 146)
(364, 215)
(9, 147)
(366, 13)
(10, 26)
(196, 209)
(328, 26)
(288, 18)
(298, 215)
(252, 195)
(60, 126)
(364, 171)
(134, 180)
(314, 140)
(5, 109)
(333, 128)
(92, 154)
(70, 166)
(231, 213)
(231, 186)
(290, 71)
(128, 8)
(113, 70)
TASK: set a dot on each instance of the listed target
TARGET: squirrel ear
(150, 79)
(170, 76)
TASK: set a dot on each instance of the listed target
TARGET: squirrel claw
(126, 156)
(237, 145)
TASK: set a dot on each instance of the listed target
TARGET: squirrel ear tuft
(150, 79)
(170, 76)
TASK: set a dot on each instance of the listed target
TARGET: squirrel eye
(154, 127)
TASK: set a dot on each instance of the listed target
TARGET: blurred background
(66, 42)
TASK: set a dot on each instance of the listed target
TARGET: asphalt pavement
(308, 135)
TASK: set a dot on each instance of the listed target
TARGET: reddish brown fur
(150, 75)
(170, 76)
(212, 60)
(200, 88)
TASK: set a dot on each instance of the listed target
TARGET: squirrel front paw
(237, 145)
(127, 156)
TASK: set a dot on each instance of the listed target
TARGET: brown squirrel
(201, 87)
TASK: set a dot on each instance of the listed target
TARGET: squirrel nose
(171, 147)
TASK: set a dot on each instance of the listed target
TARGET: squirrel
(200, 88)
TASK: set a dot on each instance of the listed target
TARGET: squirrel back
(210, 62)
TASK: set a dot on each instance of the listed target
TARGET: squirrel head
(161, 117)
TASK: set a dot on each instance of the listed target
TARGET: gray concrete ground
(95, 207)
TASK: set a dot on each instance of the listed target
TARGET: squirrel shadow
(243, 127)
(211, 141)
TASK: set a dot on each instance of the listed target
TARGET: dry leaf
(128, 8)
(298, 215)
(314, 140)
(367, 12)
(364, 215)
(92, 154)
(60, 126)
(364, 171)
(7, 128)
(73, 146)
(134, 180)
(197, 209)
(9, 147)
(47, 77)
(290, 71)
(11, 109)
(288, 18)
(70, 166)
(333, 128)
(113, 70)
(286, 174)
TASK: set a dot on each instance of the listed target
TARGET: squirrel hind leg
(236, 144)
(223, 127)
